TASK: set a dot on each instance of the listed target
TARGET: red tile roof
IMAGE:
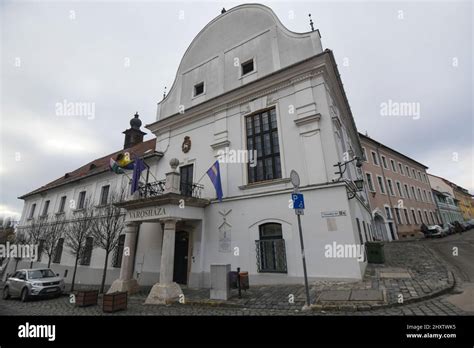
(95, 167)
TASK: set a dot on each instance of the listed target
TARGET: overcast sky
(118, 56)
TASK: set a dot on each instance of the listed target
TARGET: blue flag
(215, 175)
(138, 168)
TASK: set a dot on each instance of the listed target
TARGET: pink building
(399, 192)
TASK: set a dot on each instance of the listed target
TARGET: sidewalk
(411, 273)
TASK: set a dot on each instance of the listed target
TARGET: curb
(369, 307)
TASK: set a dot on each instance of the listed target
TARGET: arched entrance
(380, 227)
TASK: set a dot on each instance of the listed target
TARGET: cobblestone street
(419, 274)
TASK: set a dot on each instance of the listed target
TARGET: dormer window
(199, 89)
(247, 67)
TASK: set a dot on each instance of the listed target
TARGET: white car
(436, 231)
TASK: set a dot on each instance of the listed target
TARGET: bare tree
(77, 231)
(54, 231)
(107, 228)
(35, 234)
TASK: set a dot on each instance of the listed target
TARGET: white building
(245, 82)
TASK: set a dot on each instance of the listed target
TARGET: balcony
(157, 188)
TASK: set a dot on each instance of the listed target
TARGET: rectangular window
(62, 203)
(104, 195)
(271, 251)
(400, 168)
(375, 159)
(247, 67)
(407, 191)
(420, 215)
(45, 208)
(419, 195)
(370, 183)
(388, 213)
(426, 217)
(419, 176)
(432, 218)
(407, 170)
(424, 178)
(414, 174)
(390, 187)
(394, 167)
(366, 159)
(413, 193)
(262, 137)
(381, 185)
(397, 215)
(198, 89)
(407, 219)
(384, 161)
(58, 251)
(82, 200)
(87, 252)
(32, 211)
(425, 196)
(186, 180)
(399, 189)
(414, 216)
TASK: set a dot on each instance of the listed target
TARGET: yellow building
(465, 202)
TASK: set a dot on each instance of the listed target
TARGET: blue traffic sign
(298, 200)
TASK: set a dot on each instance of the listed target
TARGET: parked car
(435, 231)
(29, 283)
(470, 223)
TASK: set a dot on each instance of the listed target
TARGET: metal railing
(191, 190)
(152, 189)
(271, 255)
(157, 188)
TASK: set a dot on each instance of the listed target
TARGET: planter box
(114, 302)
(86, 298)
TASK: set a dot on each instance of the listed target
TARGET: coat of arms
(186, 145)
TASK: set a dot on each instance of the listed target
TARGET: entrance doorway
(181, 249)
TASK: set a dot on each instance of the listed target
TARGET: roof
(389, 148)
(95, 167)
(452, 184)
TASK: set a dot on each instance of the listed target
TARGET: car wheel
(6, 293)
(24, 295)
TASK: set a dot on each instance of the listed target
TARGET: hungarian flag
(115, 167)
(215, 175)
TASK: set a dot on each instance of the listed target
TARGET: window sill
(248, 74)
(265, 183)
(78, 210)
(59, 213)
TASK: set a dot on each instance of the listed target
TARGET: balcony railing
(152, 189)
(157, 188)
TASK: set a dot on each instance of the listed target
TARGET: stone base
(131, 286)
(164, 293)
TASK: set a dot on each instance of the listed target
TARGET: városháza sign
(146, 213)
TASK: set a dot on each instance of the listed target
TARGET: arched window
(271, 252)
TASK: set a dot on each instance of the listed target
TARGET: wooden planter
(86, 298)
(114, 302)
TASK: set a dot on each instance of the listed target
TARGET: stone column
(166, 291)
(126, 282)
(172, 178)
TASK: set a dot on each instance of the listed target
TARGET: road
(458, 251)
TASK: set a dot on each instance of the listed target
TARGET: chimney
(133, 135)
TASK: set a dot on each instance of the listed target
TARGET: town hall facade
(246, 84)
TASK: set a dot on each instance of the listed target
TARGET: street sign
(295, 179)
(299, 211)
(298, 200)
